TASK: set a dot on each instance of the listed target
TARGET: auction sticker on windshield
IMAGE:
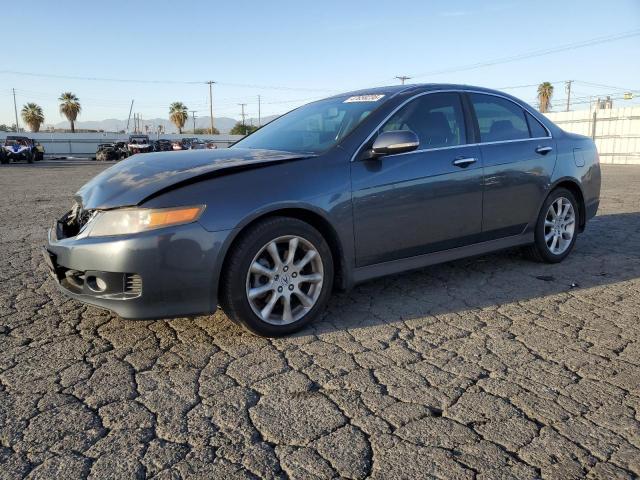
(363, 98)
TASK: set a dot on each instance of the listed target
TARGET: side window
(436, 119)
(535, 127)
(499, 119)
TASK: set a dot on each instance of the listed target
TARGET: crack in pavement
(470, 369)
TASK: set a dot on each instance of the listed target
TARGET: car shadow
(608, 252)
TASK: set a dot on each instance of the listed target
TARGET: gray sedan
(334, 193)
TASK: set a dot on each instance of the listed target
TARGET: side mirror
(395, 141)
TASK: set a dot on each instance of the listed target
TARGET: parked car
(164, 145)
(139, 144)
(108, 152)
(121, 148)
(334, 193)
(184, 143)
(19, 148)
(197, 145)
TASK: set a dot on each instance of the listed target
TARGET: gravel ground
(490, 367)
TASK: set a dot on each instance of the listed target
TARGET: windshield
(315, 127)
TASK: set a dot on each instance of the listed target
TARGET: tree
(70, 108)
(32, 116)
(240, 129)
(206, 131)
(5, 128)
(178, 114)
(545, 92)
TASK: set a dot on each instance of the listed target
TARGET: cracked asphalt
(492, 367)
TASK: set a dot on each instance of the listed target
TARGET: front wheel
(557, 227)
(278, 277)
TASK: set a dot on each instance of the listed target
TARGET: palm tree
(178, 114)
(33, 116)
(70, 107)
(545, 92)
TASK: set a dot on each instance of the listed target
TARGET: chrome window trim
(395, 110)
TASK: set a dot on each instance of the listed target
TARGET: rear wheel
(278, 277)
(30, 157)
(557, 227)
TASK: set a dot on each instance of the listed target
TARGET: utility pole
(129, 117)
(567, 85)
(211, 82)
(403, 78)
(15, 109)
(259, 119)
(242, 105)
(193, 114)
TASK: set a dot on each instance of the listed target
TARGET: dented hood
(131, 181)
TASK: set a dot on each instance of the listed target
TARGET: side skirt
(405, 264)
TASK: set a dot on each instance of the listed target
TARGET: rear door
(422, 201)
(518, 155)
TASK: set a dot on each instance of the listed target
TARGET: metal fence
(616, 131)
(86, 144)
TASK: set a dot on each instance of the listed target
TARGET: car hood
(133, 180)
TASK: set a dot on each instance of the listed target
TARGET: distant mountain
(224, 124)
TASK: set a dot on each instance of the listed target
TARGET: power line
(157, 82)
(403, 78)
(535, 53)
(242, 105)
(211, 82)
(15, 109)
(599, 85)
(193, 114)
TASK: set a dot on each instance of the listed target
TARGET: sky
(292, 52)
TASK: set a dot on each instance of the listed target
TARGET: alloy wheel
(559, 225)
(284, 280)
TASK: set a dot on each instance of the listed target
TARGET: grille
(132, 283)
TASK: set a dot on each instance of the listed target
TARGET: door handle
(464, 162)
(543, 150)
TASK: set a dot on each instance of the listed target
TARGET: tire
(4, 159)
(542, 249)
(284, 282)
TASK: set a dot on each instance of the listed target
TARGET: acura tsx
(333, 193)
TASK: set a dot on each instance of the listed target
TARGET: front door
(423, 201)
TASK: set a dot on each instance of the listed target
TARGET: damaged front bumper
(158, 274)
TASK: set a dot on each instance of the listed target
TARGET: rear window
(535, 127)
(499, 119)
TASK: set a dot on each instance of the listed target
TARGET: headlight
(135, 220)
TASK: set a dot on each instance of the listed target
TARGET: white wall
(617, 131)
(86, 144)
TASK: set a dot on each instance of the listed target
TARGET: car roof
(392, 90)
